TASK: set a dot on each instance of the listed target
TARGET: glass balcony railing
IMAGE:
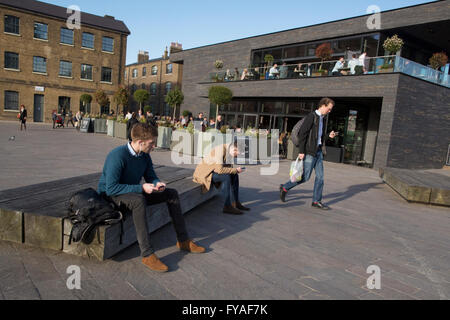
(373, 65)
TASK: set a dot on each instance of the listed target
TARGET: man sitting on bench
(120, 182)
(216, 168)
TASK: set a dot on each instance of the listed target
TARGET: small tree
(141, 96)
(174, 99)
(393, 44)
(85, 99)
(121, 98)
(324, 52)
(268, 58)
(147, 109)
(101, 98)
(219, 95)
(186, 113)
(438, 60)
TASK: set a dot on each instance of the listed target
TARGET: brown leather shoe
(239, 206)
(155, 264)
(190, 246)
(231, 210)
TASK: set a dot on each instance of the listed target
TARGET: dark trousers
(137, 204)
(230, 188)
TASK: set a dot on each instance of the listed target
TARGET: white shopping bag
(296, 172)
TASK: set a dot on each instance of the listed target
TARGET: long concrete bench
(418, 186)
(34, 214)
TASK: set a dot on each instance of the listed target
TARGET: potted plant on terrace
(120, 128)
(438, 60)
(323, 52)
(392, 45)
(218, 64)
(183, 140)
(164, 134)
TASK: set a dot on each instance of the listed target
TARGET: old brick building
(157, 76)
(46, 65)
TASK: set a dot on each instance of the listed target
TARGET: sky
(194, 23)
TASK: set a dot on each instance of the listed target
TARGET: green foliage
(121, 96)
(86, 98)
(101, 98)
(147, 109)
(190, 128)
(164, 123)
(393, 44)
(220, 95)
(141, 96)
(268, 58)
(175, 97)
(186, 113)
(224, 129)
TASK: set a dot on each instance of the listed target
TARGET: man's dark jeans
(230, 186)
(137, 204)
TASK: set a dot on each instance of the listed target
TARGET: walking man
(120, 182)
(312, 146)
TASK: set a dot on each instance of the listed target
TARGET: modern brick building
(394, 111)
(47, 66)
(158, 76)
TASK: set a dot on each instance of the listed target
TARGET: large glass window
(370, 45)
(66, 36)
(153, 87)
(135, 73)
(350, 44)
(154, 70)
(168, 87)
(65, 68)
(86, 71)
(12, 60)
(41, 31)
(108, 44)
(11, 100)
(40, 64)
(12, 24)
(168, 68)
(106, 74)
(87, 40)
(272, 107)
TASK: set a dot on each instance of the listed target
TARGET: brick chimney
(143, 56)
(176, 47)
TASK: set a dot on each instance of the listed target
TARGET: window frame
(5, 24)
(61, 36)
(35, 34)
(92, 72)
(154, 73)
(83, 40)
(5, 60)
(168, 83)
(110, 75)
(34, 65)
(153, 88)
(171, 68)
(6, 92)
(103, 44)
(134, 73)
(60, 68)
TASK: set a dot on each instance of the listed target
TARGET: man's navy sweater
(123, 172)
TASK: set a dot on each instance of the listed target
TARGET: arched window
(168, 87)
(154, 70)
(143, 86)
(153, 88)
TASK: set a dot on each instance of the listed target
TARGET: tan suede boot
(155, 264)
(190, 246)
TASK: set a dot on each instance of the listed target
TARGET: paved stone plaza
(277, 251)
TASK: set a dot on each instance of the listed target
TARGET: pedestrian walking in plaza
(130, 124)
(123, 170)
(311, 142)
(78, 120)
(216, 168)
(23, 117)
(54, 115)
(70, 118)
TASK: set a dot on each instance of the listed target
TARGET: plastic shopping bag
(296, 172)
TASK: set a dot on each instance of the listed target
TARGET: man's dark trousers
(137, 204)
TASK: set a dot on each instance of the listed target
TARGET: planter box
(100, 126)
(87, 125)
(164, 137)
(265, 147)
(110, 124)
(384, 70)
(182, 142)
(292, 151)
(334, 154)
(120, 130)
(204, 142)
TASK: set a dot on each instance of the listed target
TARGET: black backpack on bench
(87, 210)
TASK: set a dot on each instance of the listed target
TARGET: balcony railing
(373, 65)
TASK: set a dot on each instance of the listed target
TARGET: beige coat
(214, 162)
